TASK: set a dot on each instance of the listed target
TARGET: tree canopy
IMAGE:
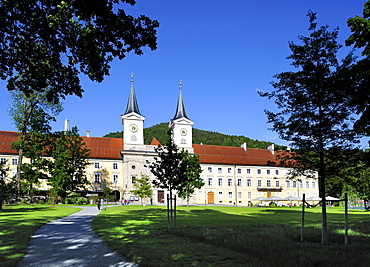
(45, 45)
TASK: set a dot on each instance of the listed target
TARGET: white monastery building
(231, 175)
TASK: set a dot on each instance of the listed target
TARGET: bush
(67, 201)
(81, 201)
(41, 201)
(24, 201)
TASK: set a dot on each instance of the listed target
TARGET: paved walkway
(69, 241)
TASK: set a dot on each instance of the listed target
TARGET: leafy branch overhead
(47, 44)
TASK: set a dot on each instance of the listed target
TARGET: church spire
(132, 105)
(180, 110)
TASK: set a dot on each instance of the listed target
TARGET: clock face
(183, 131)
(133, 128)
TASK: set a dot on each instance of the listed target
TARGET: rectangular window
(219, 181)
(97, 177)
(230, 195)
(209, 181)
(276, 172)
(248, 171)
(220, 195)
(259, 183)
(239, 181)
(210, 169)
(249, 182)
(96, 165)
(133, 179)
(115, 178)
(219, 170)
(300, 184)
(240, 195)
(200, 194)
(229, 182)
(249, 195)
(268, 172)
(313, 184)
(14, 162)
(268, 183)
(228, 170)
(239, 171)
(294, 184)
(287, 183)
(2, 161)
(259, 171)
(277, 183)
(307, 184)
(115, 166)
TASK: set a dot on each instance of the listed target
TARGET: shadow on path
(69, 241)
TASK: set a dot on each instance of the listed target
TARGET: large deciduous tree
(70, 159)
(32, 115)
(47, 44)
(311, 101)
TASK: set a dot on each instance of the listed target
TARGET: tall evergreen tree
(311, 101)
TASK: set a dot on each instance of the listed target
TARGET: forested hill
(159, 131)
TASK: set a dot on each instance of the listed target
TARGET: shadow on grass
(227, 237)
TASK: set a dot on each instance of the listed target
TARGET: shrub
(24, 201)
(41, 201)
(81, 201)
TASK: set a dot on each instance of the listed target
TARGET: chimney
(271, 148)
(87, 133)
(244, 146)
(66, 125)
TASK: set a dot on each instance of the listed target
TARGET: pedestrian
(99, 203)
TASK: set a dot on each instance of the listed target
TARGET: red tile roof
(233, 155)
(100, 147)
(155, 142)
(110, 148)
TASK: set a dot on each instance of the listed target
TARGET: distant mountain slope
(159, 131)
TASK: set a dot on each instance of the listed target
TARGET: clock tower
(182, 126)
(133, 122)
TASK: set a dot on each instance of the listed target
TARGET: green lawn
(17, 225)
(234, 236)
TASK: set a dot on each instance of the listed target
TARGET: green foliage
(159, 132)
(70, 159)
(142, 187)
(47, 44)
(359, 97)
(7, 186)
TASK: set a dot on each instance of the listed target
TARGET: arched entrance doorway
(116, 194)
(211, 198)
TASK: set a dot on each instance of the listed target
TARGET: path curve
(70, 241)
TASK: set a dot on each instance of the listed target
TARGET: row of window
(249, 194)
(14, 161)
(114, 165)
(97, 178)
(269, 183)
(239, 170)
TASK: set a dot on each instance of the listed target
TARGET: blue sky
(222, 50)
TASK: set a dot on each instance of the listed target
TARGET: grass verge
(17, 225)
(233, 236)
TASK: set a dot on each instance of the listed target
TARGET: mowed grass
(234, 236)
(18, 223)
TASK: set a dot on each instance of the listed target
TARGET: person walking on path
(69, 241)
(99, 203)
